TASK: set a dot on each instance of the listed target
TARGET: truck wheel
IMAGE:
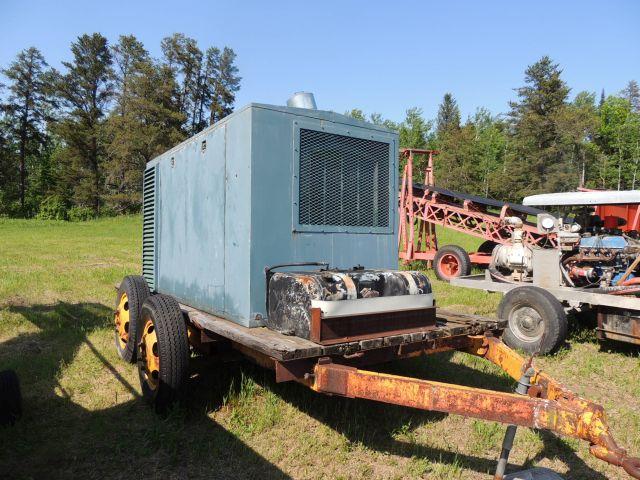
(163, 352)
(451, 261)
(132, 293)
(537, 321)
(10, 398)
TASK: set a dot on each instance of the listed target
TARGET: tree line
(74, 143)
(546, 142)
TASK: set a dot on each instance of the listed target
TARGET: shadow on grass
(61, 439)
(57, 438)
(555, 447)
(389, 428)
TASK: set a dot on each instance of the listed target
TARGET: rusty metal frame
(625, 329)
(419, 215)
(548, 404)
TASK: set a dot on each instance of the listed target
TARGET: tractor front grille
(149, 227)
(343, 181)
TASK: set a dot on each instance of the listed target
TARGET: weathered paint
(291, 294)
(559, 410)
(225, 211)
(618, 324)
(148, 355)
(122, 319)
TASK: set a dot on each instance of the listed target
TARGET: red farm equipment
(624, 216)
(423, 206)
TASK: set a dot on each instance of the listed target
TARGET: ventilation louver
(149, 227)
(343, 181)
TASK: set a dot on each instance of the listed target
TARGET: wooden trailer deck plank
(274, 344)
(286, 347)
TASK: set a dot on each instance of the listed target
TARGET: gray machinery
(585, 266)
(273, 187)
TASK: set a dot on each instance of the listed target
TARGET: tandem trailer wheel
(132, 293)
(537, 320)
(451, 261)
(163, 352)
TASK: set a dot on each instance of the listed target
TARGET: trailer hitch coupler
(619, 458)
(631, 465)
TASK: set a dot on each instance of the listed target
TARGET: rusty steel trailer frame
(420, 210)
(336, 369)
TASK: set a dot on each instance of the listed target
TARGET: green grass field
(84, 417)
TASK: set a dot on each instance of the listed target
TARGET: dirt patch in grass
(14, 301)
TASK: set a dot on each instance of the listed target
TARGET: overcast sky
(378, 56)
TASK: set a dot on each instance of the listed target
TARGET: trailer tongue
(544, 403)
(541, 402)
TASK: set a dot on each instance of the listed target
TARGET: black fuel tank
(291, 293)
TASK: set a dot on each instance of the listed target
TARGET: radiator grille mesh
(343, 181)
(149, 227)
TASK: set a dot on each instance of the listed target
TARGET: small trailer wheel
(163, 352)
(451, 261)
(132, 293)
(537, 321)
(10, 398)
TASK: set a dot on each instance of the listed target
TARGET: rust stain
(549, 405)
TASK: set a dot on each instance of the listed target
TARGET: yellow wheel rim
(122, 321)
(149, 358)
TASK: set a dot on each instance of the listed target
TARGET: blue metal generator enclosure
(267, 185)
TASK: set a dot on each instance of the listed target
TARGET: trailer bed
(286, 347)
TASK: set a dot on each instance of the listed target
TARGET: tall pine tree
(84, 92)
(537, 162)
(185, 59)
(146, 122)
(26, 110)
(448, 115)
(128, 56)
(223, 82)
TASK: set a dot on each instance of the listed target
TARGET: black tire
(451, 261)
(487, 246)
(10, 398)
(137, 291)
(537, 320)
(164, 387)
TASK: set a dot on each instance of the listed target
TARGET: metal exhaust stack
(302, 100)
